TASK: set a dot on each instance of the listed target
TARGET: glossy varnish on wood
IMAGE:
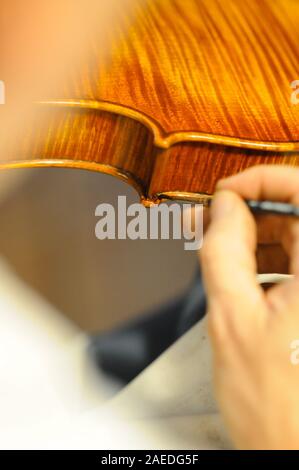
(195, 90)
(202, 67)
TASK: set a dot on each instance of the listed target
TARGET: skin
(251, 330)
(42, 44)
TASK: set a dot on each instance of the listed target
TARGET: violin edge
(165, 140)
(103, 168)
(185, 196)
(146, 200)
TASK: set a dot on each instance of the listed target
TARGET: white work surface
(51, 397)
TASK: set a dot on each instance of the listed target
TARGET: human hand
(252, 331)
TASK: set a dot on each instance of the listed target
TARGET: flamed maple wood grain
(208, 164)
(89, 140)
(195, 90)
(79, 140)
(204, 67)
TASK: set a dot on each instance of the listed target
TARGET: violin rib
(195, 90)
(164, 140)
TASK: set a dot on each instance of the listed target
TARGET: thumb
(229, 263)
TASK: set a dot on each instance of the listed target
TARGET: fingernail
(223, 204)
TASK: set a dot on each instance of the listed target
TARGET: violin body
(194, 91)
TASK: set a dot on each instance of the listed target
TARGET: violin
(193, 91)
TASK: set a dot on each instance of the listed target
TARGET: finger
(283, 298)
(290, 240)
(229, 264)
(273, 182)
